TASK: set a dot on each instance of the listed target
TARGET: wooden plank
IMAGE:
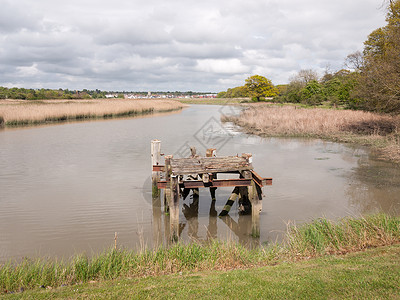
(200, 165)
(190, 184)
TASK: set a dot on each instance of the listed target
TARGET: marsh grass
(366, 128)
(19, 113)
(317, 238)
(348, 235)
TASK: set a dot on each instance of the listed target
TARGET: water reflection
(375, 187)
(241, 229)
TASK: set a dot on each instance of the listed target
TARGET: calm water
(68, 188)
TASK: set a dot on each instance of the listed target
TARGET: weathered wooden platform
(203, 173)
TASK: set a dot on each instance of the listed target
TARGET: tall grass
(316, 238)
(290, 120)
(17, 113)
(380, 131)
(325, 237)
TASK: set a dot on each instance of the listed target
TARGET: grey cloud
(180, 44)
(14, 17)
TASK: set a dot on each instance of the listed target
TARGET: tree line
(45, 94)
(370, 81)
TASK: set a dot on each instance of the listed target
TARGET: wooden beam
(158, 168)
(260, 180)
(191, 184)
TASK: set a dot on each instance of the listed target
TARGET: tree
(258, 86)
(312, 93)
(305, 76)
(379, 80)
(354, 61)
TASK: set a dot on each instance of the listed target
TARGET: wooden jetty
(181, 174)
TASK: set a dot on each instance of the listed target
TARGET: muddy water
(68, 188)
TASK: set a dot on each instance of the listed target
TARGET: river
(67, 189)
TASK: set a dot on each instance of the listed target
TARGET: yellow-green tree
(258, 87)
(379, 80)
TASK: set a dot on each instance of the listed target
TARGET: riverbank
(22, 112)
(371, 274)
(316, 239)
(381, 132)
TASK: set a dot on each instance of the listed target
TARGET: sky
(176, 45)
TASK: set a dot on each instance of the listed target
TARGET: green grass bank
(371, 274)
(319, 238)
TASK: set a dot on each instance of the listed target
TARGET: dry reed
(381, 131)
(36, 112)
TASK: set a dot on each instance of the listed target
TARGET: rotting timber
(180, 175)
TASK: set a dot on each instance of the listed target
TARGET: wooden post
(167, 191)
(156, 195)
(174, 208)
(255, 209)
(212, 152)
(155, 161)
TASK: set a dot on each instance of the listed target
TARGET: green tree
(378, 87)
(258, 86)
(312, 93)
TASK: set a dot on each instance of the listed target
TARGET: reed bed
(16, 113)
(380, 131)
(320, 237)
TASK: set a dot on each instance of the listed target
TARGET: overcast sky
(198, 45)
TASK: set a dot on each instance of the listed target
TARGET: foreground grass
(20, 112)
(372, 274)
(315, 239)
(382, 132)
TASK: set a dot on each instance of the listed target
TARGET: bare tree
(354, 61)
(305, 76)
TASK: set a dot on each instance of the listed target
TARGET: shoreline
(318, 239)
(22, 113)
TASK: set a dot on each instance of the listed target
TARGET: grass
(316, 239)
(19, 113)
(382, 132)
(372, 274)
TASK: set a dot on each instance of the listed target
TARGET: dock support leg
(229, 203)
(255, 209)
(174, 208)
(155, 161)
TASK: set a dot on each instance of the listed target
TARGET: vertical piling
(155, 161)
(174, 208)
(167, 190)
(212, 152)
(155, 191)
(255, 209)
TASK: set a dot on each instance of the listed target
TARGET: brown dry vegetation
(19, 112)
(380, 131)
